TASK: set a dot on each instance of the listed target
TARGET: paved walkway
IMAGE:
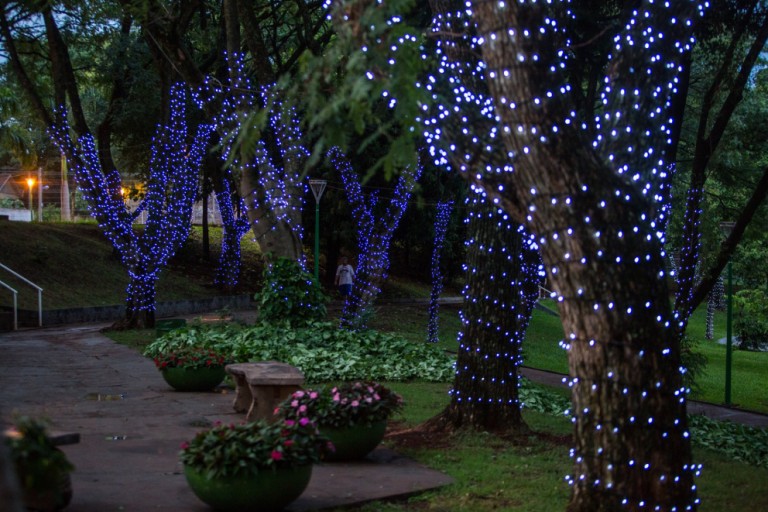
(131, 425)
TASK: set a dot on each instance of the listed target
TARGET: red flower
(276, 455)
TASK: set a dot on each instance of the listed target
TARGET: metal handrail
(544, 293)
(15, 306)
(39, 294)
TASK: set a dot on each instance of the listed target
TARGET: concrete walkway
(131, 425)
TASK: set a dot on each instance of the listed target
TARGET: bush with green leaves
(321, 350)
(735, 441)
(751, 318)
(290, 293)
(10, 202)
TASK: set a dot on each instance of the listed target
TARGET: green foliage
(10, 202)
(51, 213)
(350, 404)
(226, 451)
(290, 294)
(738, 442)
(191, 358)
(362, 86)
(751, 318)
(694, 362)
(321, 350)
(39, 464)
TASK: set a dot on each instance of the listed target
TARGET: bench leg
(243, 396)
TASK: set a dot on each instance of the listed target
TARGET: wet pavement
(131, 425)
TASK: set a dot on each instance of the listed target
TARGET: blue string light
(374, 236)
(170, 194)
(276, 199)
(444, 209)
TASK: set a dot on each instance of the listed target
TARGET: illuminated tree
(374, 236)
(444, 209)
(235, 225)
(174, 167)
(594, 202)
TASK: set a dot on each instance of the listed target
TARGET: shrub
(290, 293)
(751, 318)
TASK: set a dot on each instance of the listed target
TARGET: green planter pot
(355, 442)
(269, 490)
(194, 379)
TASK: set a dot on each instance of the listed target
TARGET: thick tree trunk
(275, 231)
(140, 302)
(499, 296)
(605, 262)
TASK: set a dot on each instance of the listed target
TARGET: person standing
(345, 274)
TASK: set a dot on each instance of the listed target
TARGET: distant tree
(235, 225)
(174, 167)
(444, 209)
(374, 235)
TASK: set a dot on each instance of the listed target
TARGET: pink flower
(298, 394)
(303, 408)
(304, 421)
(376, 396)
(355, 403)
(276, 455)
(288, 443)
(368, 400)
(313, 395)
(184, 445)
(295, 403)
(336, 397)
(289, 423)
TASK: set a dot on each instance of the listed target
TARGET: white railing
(15, 306)
(544, 293)
(15, 293)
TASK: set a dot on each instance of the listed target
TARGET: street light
(318, 187)
(31, 184)
(726, 228)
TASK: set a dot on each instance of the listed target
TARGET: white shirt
(345, 274)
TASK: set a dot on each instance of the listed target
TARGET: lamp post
(31, 184)
(318, 187)
(726, 228)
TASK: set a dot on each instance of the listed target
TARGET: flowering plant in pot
(191, 368)
(236, 467)
(353, 415)
(43, 469)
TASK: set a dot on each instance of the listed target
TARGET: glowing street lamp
(31, 185)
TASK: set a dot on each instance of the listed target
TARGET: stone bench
(261, 386)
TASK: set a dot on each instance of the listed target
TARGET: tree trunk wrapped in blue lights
(444, 209)
(271, 169)
(593, 198)
(501, 289)
(174, 167)
(373, 238)
(234, 226)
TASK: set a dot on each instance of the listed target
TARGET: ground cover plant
(321, 350)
